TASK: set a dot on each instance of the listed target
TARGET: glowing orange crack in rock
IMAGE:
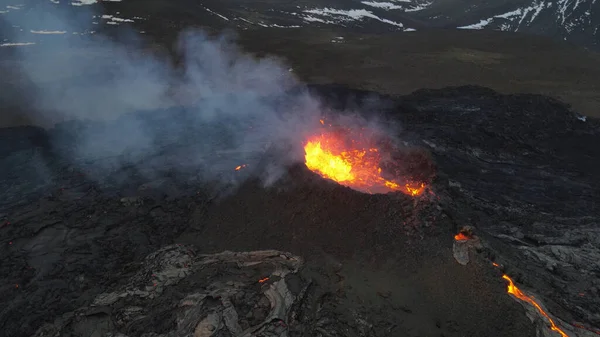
(513, 290)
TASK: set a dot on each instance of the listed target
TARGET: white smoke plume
(220, 109)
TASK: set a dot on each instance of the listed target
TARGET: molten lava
(461, 237)
(512, 289)
(353, 160)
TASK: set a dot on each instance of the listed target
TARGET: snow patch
(420, 7)
(480, 25)
(83, 2)
(309, 18)
(280, 26)
(538, 8)
(410, 30)
(113, 20)
(48, 31)
(242, 19)
(570, 26)
(563, 5)
(384, 5)
(520, 13)
(508, 15)
(274, 25)
(349, 15)
(262, 24)
(217, 14)
(582, 118)
(16, 44)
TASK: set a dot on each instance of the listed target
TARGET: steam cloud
(220, 109)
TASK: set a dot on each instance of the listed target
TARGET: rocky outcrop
(177, 292)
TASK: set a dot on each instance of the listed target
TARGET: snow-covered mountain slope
(572, 20)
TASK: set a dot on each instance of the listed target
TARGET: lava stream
(354, 163)
(512, 289)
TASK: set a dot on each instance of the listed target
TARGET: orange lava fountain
(354, 163)
(513, 290)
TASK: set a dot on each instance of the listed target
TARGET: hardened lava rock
(176, 292)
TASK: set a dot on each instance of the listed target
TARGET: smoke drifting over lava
(223, 108)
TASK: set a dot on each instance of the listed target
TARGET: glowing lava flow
(356, 165)
(512, 289)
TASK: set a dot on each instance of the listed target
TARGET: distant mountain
(576, 21)
(573, 20)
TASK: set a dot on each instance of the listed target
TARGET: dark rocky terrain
(519, 168)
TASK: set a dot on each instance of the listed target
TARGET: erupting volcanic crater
(366, 160)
